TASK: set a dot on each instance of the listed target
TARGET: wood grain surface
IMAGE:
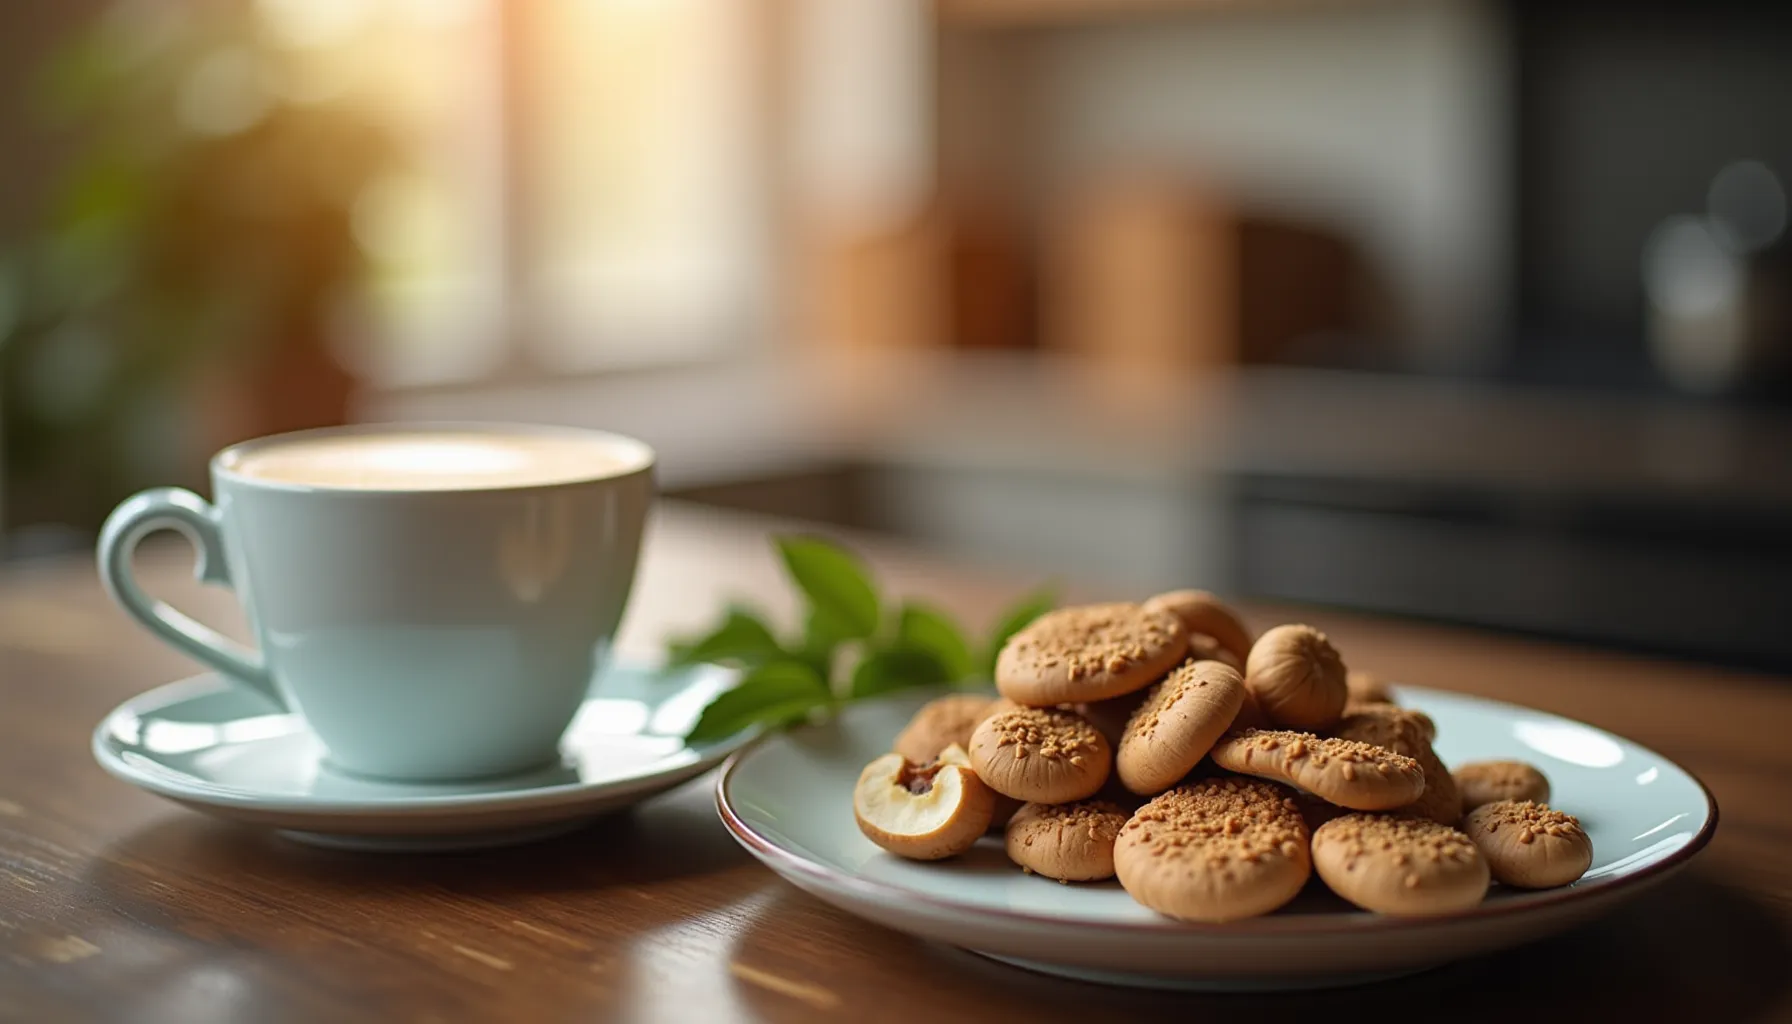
(117, 906)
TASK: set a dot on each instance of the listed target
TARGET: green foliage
(178, 245)
(774, 694)
(853, 645)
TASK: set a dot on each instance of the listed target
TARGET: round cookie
(1528, 845)
(1219, 849)
(1409, 733)
(1297, 677)
(1068, 842)
(1345, 772)
(939, 724)
(1203, 613)
(1363, 688)
(1395, 864)
(1177, 724)
(1042, 755)
(1384, 725)
(1483, 782)
(1089, 653)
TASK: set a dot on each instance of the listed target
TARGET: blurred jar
(1718, 287)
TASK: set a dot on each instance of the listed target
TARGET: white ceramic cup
(421, 634)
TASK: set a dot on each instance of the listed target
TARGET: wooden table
(117, 906)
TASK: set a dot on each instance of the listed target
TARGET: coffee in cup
(432, 599)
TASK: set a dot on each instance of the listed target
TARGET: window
(583, 187)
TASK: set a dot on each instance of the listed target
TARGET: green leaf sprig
(854, 644)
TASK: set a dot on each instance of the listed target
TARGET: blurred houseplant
(181, 291)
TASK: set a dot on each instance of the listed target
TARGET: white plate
(789, 801)
(225, 750)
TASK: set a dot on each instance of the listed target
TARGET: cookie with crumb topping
(1089, 653)
(1347, 773)
(1069, 842)
(1398, 864)
(1409, 733)
(1175, 726)
(1216, 850)
(1529, 845)
(1042, 755)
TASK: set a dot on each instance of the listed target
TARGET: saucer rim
(792, 863)
(188, 790)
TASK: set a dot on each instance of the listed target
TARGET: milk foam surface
(435, 460)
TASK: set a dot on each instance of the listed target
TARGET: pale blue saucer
(224, 750)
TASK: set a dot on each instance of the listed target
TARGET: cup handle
(174, 508)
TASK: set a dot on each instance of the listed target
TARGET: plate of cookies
(1155, 796)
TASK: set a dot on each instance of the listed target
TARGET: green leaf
(1015, 619)
(742, 637)
(920, 627)
(822, 636)
(895, 669)
(835, 583)
(775, 694)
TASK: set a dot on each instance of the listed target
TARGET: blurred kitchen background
(1471, 310)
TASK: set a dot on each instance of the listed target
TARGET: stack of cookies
(1212, 772)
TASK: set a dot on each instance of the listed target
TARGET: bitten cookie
(922, 812)
(1409, 733)
(1394, 864)
(1528, 845)
(1345, 772)
(1216, 850)
(1483, 782)
(1297, 677)
(1068, 842)
(1088, 653)
(941, 723)
(1177, 724)
(1203, 613)
(1040, 754)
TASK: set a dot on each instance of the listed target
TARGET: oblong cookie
(1528, 845)
(1089, 652)
(1177, 724)
(1409, 733)
(1345, 772)
(939, 724)
(1042, 755)
(1203, 613)
(1069, 842)
(1483, 782)
(1397, 864)
(1219, 849)
(1297, 677)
